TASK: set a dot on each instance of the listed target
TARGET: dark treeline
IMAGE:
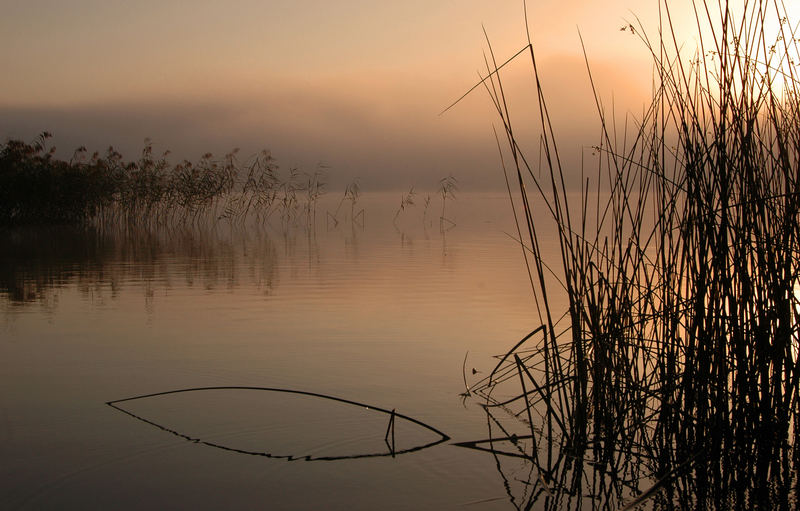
(38, 188)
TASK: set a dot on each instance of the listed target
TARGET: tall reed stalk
(672, 377)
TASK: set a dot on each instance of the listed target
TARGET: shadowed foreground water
(380, 313)
(284, 366)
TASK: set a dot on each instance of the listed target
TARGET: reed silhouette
(436, 437)
(447, 189)
(671, 379)
(406, 201)
(38, 188)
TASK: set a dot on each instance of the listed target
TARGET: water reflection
(553, 452)
(272, 411)
(36, 262)
(349, 311)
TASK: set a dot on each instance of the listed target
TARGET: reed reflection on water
(526, 420)
(378, 312)
(537, 458)
(38, 261)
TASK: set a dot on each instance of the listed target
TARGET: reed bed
(38, 188)
(671, 380)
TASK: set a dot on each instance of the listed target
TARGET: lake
(377, 310)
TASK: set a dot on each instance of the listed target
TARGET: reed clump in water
(447, 189)
(35, 187)
(672, 376)
(38, 188)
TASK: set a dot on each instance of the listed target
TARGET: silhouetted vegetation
(35, 187)
(432, 438)
(671, 379)
(38, 188)
(351, 193)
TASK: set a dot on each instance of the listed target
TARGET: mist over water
(222, 334)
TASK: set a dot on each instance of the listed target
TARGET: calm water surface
(373, 312)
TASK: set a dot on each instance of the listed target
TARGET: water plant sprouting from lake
(38, 188)
(673, 375)
(352, 192)
(406, 201)
(447, 189)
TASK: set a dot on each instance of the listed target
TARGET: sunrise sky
(353, 83)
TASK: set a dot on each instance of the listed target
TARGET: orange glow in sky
(354, 83)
